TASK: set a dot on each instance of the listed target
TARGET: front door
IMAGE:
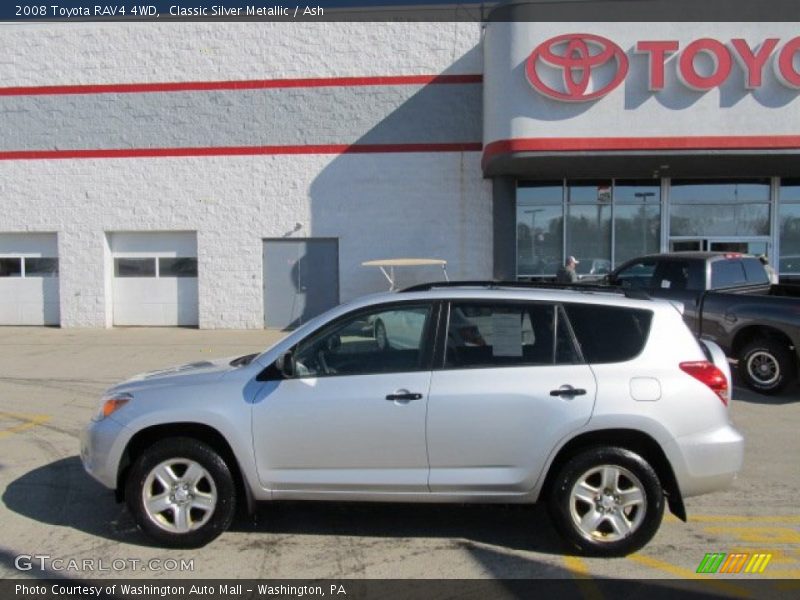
(352, 418)
(510, 389)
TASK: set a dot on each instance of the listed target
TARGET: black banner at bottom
(393, 589)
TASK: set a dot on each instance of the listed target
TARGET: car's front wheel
(607, 501)
(181, 493)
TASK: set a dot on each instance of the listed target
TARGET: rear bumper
(708, 461)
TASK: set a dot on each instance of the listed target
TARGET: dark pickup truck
(728, 298)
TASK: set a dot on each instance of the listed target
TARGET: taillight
(708, 373)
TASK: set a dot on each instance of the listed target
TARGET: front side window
(637, 275)
(387, 340)
(506, 335)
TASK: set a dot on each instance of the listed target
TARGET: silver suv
(603, 406)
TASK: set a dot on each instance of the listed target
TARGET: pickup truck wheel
(607, 502)
(181, 493)
(766, 366)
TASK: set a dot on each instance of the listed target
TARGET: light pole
(643, 215)
(532, 212)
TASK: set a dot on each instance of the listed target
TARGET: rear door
(510, 384)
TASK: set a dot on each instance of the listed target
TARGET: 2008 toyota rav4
(601, 405)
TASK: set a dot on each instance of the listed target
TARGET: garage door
(29, 279)
(154, 278)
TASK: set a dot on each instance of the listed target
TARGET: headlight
(111, 404)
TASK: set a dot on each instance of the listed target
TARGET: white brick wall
(98, 53)
(378, 205)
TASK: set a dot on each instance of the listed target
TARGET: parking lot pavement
(50, 383)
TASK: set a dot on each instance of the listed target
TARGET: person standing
(773, 276)
(567, 274)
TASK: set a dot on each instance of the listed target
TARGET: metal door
(301, 280)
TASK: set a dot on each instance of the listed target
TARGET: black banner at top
(401, 10)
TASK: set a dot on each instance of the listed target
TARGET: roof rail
(495, 284)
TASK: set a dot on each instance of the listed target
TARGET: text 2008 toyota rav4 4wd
(600, 405)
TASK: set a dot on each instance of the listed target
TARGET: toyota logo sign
(563, 67)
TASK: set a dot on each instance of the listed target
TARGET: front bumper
(101, 450)
(708, 461)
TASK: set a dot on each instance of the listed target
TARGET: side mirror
(285, 364)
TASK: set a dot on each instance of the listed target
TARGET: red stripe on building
(240, 151)
(638, 144)
(260, 84)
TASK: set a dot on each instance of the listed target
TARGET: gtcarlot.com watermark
(45, 562)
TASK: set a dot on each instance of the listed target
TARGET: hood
(188, 374)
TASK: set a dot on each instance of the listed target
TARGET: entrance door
(301, 280)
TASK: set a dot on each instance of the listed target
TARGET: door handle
(568, 390)
(404, 395)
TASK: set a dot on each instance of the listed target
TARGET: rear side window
(507, 335)
(609, 334)
(726, 273)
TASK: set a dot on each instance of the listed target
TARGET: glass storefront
(605, 222)
(789, 227)
(600, 222)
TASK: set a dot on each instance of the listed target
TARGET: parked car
(604, 407)
(727, 298)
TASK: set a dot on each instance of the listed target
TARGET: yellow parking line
(738, 519)
(578, 567)
(28, 422)
(759, 535)
(683, 573)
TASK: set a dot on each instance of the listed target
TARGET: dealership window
(637, 219)
(589, 225)
(789, 227)
(719, 208)
(597, 212)
(540, 228)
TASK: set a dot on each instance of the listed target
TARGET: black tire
(643, 517)
(766, 366)
(198, 525)
(381, 339)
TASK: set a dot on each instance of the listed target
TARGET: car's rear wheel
(766, 366)
(607, 502)
(181, 493)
